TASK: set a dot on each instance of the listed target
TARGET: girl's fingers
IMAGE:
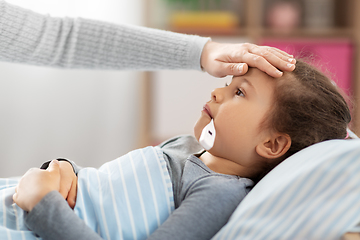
(71, 198)
(64, 192)
(15, 197)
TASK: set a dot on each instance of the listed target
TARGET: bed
(314, 194)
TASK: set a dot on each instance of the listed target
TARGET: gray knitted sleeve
(32, 38)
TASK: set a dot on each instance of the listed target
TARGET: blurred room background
(89, 116)
(95, 116)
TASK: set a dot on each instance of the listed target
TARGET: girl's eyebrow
(248, 82)
(244, 80)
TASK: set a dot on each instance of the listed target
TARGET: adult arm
(29, 37)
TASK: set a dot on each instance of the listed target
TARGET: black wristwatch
(46, 164)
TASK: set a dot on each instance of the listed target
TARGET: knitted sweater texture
(32, 38)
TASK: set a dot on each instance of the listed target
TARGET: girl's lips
(206, 109)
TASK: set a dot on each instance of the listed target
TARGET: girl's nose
(217, 95)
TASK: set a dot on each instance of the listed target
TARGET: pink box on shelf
(334, 56)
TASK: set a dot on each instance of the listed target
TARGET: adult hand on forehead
(222, 59)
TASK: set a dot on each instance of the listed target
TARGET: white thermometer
(207, 137)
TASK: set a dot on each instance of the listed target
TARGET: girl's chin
(199, 126)
(197, 134)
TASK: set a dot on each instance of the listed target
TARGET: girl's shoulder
(187, 144)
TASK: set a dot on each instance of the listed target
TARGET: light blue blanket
(128, 198)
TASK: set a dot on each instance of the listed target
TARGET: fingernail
(279, 72)
(289, 65)
(241, 67)
(291, 60)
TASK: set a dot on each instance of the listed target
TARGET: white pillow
(314, 194)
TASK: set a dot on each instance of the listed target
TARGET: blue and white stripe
(132, 195)
(127, 198)
(12, 226)
(315, 194)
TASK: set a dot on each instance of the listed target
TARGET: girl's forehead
(254, 75)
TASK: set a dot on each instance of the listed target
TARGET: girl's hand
(220, 59)
(35, 184)
(68, 183)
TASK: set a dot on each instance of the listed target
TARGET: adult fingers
(254, 60)
(223, 69)
(280, 52)
(254, 48)
(286, 57)
(275, 58)
(234, 68)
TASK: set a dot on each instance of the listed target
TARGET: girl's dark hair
(308, 107)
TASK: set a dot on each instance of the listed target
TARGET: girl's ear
(274, 147)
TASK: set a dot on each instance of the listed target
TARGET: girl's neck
(225, 166)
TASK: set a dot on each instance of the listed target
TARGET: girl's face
(238, 110)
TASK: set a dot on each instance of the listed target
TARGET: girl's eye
(239, 93)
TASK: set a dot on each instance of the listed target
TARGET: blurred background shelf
(263, 32)
(291, 25)
(311, 33)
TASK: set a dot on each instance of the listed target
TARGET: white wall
(179, 97)
(85, 115)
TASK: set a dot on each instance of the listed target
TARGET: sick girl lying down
(179, 190)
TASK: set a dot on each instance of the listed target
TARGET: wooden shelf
(272, 33)
(211, 32)
(310, 33)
